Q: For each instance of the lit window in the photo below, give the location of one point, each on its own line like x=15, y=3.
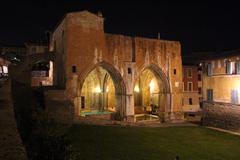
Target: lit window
x=5, y=69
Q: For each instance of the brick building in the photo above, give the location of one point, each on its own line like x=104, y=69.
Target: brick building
x=221, y=90
x=192, y=88
x=117, y=74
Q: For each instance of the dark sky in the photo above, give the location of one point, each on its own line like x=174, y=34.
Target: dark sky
x=198, y=26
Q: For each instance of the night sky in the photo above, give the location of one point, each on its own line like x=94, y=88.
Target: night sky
x=198, y=26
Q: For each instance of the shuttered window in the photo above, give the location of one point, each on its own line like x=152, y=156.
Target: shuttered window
x=209, y=95
x=230, y=67
x=234, y=96
x=238, y=67
x=209, y=69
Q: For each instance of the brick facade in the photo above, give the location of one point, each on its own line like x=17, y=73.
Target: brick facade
x=81, y=43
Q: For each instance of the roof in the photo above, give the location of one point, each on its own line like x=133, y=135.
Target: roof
x=76, y=12
x=40, y=43
x=198, y=57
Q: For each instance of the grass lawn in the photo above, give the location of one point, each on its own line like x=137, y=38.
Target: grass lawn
x=140, y=143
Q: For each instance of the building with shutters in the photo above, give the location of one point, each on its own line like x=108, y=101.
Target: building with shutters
x=221, y=90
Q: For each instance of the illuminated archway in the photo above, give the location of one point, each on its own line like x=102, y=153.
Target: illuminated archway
x=102, y=91
x=152, y=92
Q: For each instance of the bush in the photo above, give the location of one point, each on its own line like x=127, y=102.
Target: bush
x=43, y=137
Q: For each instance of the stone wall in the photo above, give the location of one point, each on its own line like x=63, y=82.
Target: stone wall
x=221, y=115
x=82, y=45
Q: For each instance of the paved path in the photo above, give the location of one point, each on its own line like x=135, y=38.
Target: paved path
x=96, y=121
x=11, y=147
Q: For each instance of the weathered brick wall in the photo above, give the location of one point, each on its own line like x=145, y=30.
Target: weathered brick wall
x=86, y=46
x=222, y=115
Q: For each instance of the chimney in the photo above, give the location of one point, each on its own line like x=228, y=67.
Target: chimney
x=99, y=14
x=159, y=35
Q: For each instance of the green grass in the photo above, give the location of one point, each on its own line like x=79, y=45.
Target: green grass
x=141, y=143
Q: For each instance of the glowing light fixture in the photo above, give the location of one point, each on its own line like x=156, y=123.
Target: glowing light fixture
x=107, y=89
x=98, y=89
x=136, y=88
x=151, y=85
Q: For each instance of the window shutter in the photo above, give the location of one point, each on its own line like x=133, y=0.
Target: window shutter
x=234, y=96
x=209, y=95
x=238, y=67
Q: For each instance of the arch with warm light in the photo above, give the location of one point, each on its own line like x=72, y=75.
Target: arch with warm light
x=102, y=89
x=152, y=90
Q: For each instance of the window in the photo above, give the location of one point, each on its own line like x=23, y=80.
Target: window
x=5, y=69
x=209, y=95
x=200, y=102
x=74, y=69
x=230, y=67
x=190, y=101
x=209, y=69
x=190, y=86
x=219, y=63
x=82, y=102
x=234, y=96
x=189, y=72
x=34, y=50
x=129, y=71
x=238, y=67
x=199, y=77
x=199, y=90
x=183, y=87
x=174, y=71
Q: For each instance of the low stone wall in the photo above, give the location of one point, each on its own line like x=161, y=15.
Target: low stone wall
x=11, y=145
x=221, y=115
